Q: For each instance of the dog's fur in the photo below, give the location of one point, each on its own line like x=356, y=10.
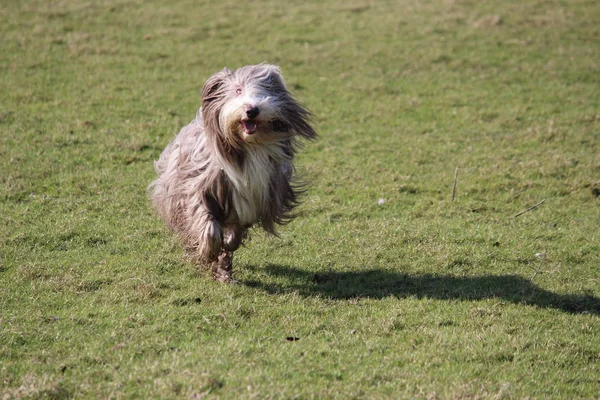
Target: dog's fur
x=232, y=167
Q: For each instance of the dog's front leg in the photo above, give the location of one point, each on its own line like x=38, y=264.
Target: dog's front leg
x=232, y=237
x=206, y=228
x=209, y=236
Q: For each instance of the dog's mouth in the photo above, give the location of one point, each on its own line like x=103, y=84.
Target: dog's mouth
x=250, y=126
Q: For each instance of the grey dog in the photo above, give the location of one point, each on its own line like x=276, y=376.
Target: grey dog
x=231, y=167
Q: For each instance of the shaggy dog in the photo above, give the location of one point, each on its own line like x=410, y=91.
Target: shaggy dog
x=231, y=167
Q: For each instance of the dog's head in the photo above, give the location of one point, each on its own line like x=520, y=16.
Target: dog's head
x=252, y=105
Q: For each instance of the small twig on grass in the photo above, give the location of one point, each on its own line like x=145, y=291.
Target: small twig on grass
x=519, y=192
x=454, y=186
x=530, y=208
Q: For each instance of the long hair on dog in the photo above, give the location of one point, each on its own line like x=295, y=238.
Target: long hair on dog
x=231, y=167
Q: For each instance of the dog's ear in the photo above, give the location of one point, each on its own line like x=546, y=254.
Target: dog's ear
x=213, y=93
x=274, y=69
x=215, y=86
x=275, y=76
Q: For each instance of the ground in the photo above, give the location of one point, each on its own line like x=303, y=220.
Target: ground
x=384, y=286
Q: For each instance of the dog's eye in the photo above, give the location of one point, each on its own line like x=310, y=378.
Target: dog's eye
x=238, y=91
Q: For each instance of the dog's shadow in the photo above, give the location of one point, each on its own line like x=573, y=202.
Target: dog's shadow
x=377, y=284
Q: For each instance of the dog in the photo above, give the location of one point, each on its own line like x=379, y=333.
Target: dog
x=232, y=167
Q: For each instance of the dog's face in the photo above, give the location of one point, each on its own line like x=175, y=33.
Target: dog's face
x=252, y=105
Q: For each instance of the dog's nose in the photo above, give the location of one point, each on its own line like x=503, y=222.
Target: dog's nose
x=252, y=111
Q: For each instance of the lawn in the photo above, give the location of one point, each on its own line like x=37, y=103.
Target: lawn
x=387, y=285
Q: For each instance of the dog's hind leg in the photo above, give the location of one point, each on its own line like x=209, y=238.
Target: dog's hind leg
x=222, y=267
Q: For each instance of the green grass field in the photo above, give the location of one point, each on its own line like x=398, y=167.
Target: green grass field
x=384, y=287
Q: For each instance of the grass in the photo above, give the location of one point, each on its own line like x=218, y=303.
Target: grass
x=383, y=287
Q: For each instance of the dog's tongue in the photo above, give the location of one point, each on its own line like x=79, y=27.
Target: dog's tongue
x=249, y=126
